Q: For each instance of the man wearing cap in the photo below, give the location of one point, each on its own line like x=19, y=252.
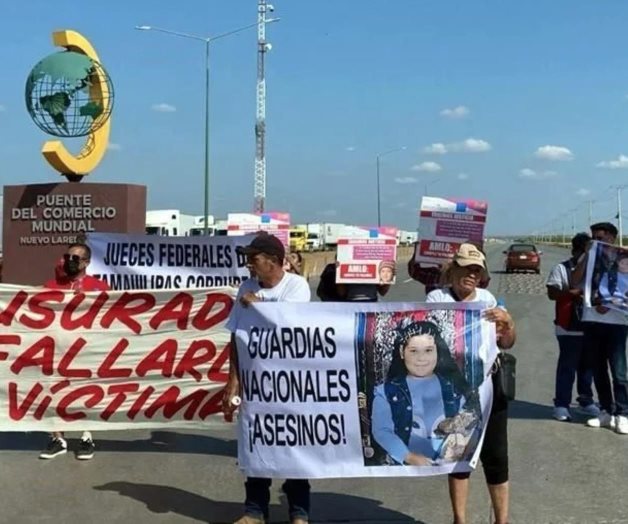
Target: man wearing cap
x=605, y=333
x=270, y=283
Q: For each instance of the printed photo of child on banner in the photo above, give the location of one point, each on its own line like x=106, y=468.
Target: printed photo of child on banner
x=419, y=376
x=607, y=277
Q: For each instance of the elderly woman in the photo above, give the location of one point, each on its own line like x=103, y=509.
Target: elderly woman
x=462, y=280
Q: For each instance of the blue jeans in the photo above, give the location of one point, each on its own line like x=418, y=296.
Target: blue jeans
x=572, y=365
x=258, y=497
x=605, y=345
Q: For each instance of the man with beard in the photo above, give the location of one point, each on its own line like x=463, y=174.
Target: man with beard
x=70, y=275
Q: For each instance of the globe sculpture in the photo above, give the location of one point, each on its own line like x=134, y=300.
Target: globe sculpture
x=69, y=95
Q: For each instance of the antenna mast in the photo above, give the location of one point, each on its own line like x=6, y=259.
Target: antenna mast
x=260, y=119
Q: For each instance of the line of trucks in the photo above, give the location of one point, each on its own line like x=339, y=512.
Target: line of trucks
x=303, y=237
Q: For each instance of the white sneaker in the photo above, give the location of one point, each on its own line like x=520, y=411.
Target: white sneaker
x=603, y=420
x=621, y=424
x=562, y=414
x=592, y=410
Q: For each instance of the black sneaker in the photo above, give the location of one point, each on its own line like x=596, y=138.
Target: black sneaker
x=86, y=449
x=55, y=447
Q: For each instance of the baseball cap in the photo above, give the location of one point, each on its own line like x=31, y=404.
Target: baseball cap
x=469, y=255
x=265, y=244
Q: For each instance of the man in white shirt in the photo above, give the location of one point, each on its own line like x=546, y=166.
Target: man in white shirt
x=268, y=283
x=605, y=346
x=569, y=332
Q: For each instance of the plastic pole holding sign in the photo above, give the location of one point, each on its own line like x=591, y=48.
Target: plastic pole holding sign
x=445, y=224
x=274, y=223
x=367, y=255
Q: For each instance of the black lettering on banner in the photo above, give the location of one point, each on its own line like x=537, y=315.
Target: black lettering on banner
x=296, y=385
x=129, y=254
x=295, y=343
x=281, y=429
x=205, y=256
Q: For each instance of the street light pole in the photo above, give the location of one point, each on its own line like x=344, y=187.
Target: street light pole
x=379, y=156
x=207, y=40
x=206, y=192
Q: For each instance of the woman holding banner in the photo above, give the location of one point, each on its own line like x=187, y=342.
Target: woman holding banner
x=462, y=280
x=422, y=395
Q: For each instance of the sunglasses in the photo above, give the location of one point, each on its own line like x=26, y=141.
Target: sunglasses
x=74, y=258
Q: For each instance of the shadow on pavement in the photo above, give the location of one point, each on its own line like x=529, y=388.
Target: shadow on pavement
x=528, y=410
x=159, y=441
x=326, y=507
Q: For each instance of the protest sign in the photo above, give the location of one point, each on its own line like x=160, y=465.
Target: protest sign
x=607, y=280
x=367, y=255
x=273, y=223
x=127, y=261
x=445, y=224
x=112, y=360
x=353, y=390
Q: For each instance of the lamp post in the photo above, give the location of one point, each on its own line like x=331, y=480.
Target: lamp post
x=379, y=156
x=207, y=40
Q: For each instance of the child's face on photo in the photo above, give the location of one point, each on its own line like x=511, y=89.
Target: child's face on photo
x=419, y=355
x=386, y=274
x=622, y=265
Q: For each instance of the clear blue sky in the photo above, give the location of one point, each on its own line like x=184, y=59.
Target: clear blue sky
x=348, y=79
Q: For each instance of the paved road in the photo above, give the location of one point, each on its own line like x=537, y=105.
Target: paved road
x=561, y=473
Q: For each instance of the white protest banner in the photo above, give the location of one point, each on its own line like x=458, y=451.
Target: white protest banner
x=273, y=223
x=128, y=261
x=606, y=280
x=445, y=224
x=367, y=255
x=112, y=360
x=354, y=390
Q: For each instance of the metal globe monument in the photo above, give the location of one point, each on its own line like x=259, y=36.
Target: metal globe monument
x=70, y=97
x=68, y=94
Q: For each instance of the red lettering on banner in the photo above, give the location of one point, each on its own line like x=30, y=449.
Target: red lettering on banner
x=203, y=320
x=191, y=360
x=31, y=357
x=105, y=370
x=35, y=304
x=44, y=404
x=5, y=340
x=68, y=358
x=6, y=317
x=161, y=358
x=215, y=373
x=17, y=410
x=171, y=404
x=212, y=406
x=86, y=320
x=94, y=395
x=138, y=405
x=123, y=311
x=120, y=391
x=177, y=308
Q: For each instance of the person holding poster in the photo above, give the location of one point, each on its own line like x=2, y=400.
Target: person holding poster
x=569, y=333
x=71, y=275
x=605, y=334
x=422, y=395
x=265, y=258
x=462, y=280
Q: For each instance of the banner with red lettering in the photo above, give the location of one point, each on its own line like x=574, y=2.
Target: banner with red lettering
x=112, y=360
